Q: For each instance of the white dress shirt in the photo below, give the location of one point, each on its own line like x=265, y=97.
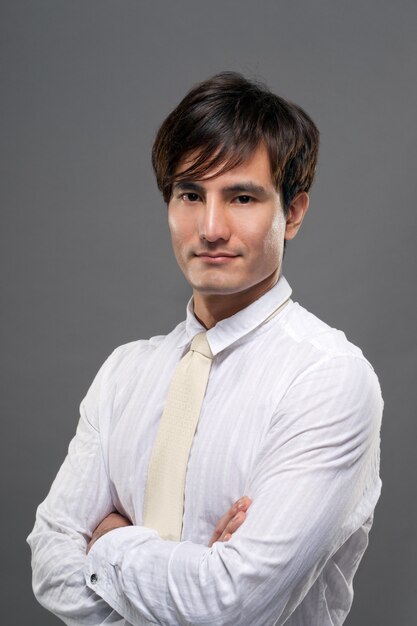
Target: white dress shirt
x=291, y=418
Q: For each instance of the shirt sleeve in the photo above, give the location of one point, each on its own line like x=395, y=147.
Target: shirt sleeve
x=315, y=482
x=78, y=500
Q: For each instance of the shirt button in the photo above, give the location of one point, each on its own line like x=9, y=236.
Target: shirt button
x=93, y=579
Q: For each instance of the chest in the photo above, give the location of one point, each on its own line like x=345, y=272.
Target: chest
x=235, y=415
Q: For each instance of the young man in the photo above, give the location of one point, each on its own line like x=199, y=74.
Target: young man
x=263, y=516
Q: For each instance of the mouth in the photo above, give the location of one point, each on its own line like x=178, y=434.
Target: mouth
x=216, y=257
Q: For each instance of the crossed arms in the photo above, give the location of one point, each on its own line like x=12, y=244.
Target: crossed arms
x=311, y=489
x=226, y=526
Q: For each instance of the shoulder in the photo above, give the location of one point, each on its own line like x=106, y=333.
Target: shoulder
x=308, y=331
x=135, y=354
x=323, y=363
x=128, y=359
x=124, y=366
x=329, y=370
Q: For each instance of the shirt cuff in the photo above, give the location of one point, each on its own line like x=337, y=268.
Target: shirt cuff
x=103, y=568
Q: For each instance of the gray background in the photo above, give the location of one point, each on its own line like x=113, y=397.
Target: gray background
x=85, y=255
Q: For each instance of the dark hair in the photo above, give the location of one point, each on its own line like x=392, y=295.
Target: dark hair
x=222, y=121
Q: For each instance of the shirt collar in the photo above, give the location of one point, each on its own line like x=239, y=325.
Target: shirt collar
x=233, y=328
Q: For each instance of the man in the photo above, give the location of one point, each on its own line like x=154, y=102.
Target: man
x=282, y=472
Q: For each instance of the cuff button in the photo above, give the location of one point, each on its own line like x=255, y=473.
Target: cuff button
x=93, y=579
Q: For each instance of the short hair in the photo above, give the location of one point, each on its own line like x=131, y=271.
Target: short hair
x=222, y=121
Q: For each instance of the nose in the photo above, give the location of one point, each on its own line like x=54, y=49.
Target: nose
x=215, y=223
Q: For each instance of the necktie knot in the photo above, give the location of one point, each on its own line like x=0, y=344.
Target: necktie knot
x=200, y=344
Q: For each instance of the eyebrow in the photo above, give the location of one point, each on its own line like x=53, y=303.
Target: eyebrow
x=240, y=188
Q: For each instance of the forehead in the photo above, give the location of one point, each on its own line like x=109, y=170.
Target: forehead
x=256, y=166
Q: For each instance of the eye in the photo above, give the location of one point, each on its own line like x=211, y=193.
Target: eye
x=190, y=196
x=244, y=199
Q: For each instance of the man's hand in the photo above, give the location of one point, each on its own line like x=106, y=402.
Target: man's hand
x=231, y=520
x=226, y=526
x=112, y=521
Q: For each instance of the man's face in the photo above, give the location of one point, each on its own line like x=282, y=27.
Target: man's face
x=228, y=231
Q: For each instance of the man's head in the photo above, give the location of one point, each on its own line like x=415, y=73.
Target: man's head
x=234, y=163
x=222, y=121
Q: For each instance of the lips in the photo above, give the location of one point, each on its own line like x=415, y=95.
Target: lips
x=219, y=258
x=217, y=255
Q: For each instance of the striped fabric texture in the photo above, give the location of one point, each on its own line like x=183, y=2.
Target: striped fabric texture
x=291, y=418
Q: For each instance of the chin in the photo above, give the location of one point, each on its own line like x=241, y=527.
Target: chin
x=215, y=289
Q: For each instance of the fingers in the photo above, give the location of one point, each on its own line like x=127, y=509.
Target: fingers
x=243, y=503
x=231, y=520
x=232, y=526
x=240, y=505
x=111, y=522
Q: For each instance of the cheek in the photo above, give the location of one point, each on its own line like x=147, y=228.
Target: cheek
x=272, y=237
x=182, y=237
x=172, y=222
x=178, y=227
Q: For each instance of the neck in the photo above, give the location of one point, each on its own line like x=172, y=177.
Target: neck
x=211, y=308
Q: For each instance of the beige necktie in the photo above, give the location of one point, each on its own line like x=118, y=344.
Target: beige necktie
x=164, y=494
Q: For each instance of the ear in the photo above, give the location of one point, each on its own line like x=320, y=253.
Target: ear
x=296, y=211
